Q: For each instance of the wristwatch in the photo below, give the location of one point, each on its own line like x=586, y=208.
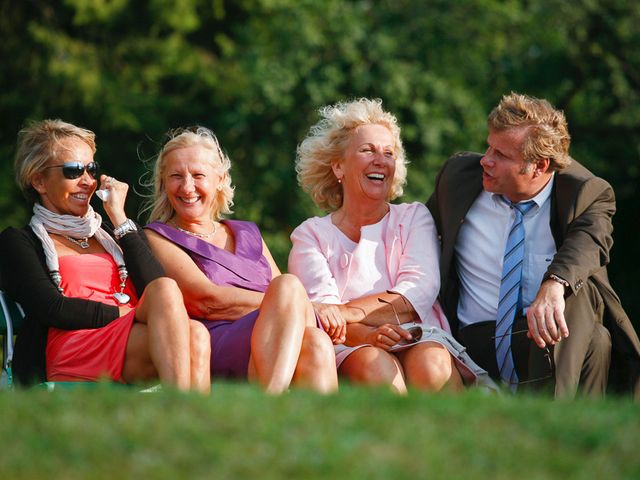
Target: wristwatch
x=125, y=227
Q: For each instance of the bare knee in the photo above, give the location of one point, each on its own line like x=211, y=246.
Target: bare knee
x=429, y=368
x=162, y=301
x=164, y=289
x=287, y=285
x=317, y=349
x=372, y=366
x=287, y=300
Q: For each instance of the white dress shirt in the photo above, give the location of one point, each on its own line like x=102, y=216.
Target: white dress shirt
x=480, y=253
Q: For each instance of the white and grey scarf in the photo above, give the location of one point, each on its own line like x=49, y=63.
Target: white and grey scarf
x=45, y=221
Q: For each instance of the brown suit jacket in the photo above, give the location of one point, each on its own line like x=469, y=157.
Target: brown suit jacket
x=581, y=211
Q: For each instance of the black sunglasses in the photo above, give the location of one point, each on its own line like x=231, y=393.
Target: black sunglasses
x=73, y=170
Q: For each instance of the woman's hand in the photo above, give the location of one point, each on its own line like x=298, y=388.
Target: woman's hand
x=332, y=321
x=387, y=336
x=117, y=194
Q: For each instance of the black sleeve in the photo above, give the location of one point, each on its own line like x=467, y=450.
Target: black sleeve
x=433, y=202
x=141, y=264
x=25, y=278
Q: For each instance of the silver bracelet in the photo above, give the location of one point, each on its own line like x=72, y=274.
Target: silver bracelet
x=125, y=227
x=556, y=278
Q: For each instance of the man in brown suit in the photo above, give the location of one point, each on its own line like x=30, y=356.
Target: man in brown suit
x=568, y=322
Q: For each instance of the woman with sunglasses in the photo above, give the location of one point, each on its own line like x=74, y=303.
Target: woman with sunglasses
x=262, y=324
x=96, y=306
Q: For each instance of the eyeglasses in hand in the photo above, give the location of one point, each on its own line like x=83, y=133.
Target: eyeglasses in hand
x=547, y=354
x=414, y=331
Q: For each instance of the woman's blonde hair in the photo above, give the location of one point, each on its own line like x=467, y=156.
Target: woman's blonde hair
x=160, y=206
x=38, y=143
x=327, y=141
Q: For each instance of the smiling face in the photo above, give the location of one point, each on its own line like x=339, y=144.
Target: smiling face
x=368, y=165
x=191, y=183
x=59, y=194
x=505, y=171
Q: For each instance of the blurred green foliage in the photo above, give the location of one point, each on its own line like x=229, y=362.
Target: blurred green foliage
x=256, y=72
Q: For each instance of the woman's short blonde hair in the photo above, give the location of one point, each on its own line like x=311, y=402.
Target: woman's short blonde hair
x=161, y=209
x=547, y=133
x=327, y=141
x=39, y=143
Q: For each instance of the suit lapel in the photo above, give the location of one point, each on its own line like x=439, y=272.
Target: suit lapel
x=563, y=196
x=467, y=187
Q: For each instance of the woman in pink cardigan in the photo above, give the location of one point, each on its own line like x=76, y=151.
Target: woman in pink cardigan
x=371, y=267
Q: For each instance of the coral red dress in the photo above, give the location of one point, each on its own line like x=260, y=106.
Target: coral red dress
x=90, y=354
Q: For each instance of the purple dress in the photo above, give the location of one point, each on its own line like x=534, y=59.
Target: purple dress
x=246, y=268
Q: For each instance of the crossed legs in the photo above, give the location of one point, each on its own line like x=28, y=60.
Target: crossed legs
x=286, y=345
x=164, y=343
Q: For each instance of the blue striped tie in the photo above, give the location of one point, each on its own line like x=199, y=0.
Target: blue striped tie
x=510, y=299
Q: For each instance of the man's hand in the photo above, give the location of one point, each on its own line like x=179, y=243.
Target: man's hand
x=545, y=315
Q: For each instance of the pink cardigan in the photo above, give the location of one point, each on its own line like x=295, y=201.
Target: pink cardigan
x=400, y=253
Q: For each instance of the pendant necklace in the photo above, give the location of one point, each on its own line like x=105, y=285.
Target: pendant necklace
x=81, y=242
x=121, y=297
x=204, y=236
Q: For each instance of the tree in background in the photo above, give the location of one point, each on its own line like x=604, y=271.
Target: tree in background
x=256, y=71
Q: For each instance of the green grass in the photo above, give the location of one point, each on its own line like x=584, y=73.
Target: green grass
x=239, y=432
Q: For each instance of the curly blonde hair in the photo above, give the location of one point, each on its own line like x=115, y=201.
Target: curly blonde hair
x=327, y=141
x=547, y=133
x=38, y=143
x=161, y=209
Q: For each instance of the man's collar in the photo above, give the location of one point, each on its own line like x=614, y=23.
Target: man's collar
x=542, y=196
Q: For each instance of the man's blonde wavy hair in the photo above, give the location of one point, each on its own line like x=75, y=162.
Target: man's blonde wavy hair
x=547, y=132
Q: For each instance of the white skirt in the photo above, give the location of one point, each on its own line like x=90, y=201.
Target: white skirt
x=470, y=371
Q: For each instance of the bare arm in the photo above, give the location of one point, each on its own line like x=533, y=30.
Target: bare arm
x=275, y=271
x=202, y=298
x=385, y=336
x=370, y=311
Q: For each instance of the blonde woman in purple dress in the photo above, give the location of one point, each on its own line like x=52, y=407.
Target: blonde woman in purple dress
x=261, y=322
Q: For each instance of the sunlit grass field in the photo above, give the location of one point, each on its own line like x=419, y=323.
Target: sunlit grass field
x=239, y=432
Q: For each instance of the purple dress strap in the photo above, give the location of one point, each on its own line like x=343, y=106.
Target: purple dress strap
x=245, y=268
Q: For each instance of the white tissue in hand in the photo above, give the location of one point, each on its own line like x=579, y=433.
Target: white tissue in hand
x=103, y=195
